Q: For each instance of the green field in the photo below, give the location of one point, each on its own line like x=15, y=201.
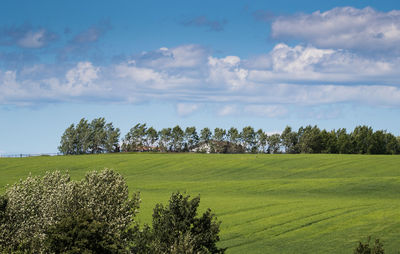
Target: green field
x=267, y=203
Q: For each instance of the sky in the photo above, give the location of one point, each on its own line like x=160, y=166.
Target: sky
x=267, y=64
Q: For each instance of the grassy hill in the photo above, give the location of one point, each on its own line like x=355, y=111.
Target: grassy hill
x=267, y=203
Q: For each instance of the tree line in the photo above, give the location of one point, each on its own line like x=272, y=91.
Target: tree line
x=100, y=137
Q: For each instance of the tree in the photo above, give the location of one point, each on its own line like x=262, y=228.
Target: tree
x=392, y=144
x=83, y=137
x=290, y=140
x=99, y=135
x=274, y=143
x=205, y=135
x=176, y=227
x=310, y=140
x=191, y=138
x=151, y=138
x=80, y=233
x=95, y=137
x=68, y=141
x=248, y=138
x=111, y=144
x=165, y=139
x=233, y=135
x=344, y=144
x=366, y=248
x=219, y=140
x=177, y=135
x=135, y=138
x=38, y=203
x=378, y=143
x=361, y=137
x=261, y=140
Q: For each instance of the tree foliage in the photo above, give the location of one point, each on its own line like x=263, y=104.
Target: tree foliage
x=39, y=203
x=177, y=229
x=99, y=136
x=367, y=248
x=94, y=137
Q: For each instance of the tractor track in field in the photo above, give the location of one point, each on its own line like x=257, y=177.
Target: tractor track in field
x=317, y=221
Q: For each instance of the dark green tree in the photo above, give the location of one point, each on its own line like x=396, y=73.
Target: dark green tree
x=83, y=137
x=233, y=136
x=177, y=136
x=151, y=138
x=135, y=139
x=344, y=144
x=68, y=141
x=274, y=143
x=191, y=138
x=261, y=141
x=367, y=248
x=165, y=139
x=219, y=143
x=176, y=226
x=248, y=138
x=205, y=135
x=81, y=233
x=290, y=140
x=361, y=137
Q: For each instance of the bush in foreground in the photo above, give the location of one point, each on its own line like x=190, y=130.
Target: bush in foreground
x=177, y=229
x=53, y=214
x=39, y=203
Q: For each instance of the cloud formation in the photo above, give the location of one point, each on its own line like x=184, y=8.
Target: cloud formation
x=85, y=40
x=189, y=76
x=26, y=36
x=343, y=28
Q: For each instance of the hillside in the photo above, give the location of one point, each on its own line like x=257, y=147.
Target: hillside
x=267, y=203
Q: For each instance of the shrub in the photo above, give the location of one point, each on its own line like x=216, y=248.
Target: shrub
x=177, y=229
x=366, y=248
x=38, y=203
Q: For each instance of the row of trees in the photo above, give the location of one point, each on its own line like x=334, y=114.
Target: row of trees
x=309, y=139
x=53, y=214
x=99, y=136
x=94, y=137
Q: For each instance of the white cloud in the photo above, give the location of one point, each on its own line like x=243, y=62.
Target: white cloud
x=343, y=27
x=286, y=76
x=185, y=109
x=33, y=39
x=266, y=110
x=228, y=110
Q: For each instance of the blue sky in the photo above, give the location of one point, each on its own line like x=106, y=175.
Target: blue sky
x=203, y=63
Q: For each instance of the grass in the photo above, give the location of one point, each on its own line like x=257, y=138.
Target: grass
x=267, y=203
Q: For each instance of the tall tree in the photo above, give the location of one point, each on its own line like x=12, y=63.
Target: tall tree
x=99, y=135
x=205, y=135
x=111, y=144
x=361, y=137
x=219, y=138
x=177, y=135
x=83, y=136
x=248, y=138
x=165, y=139
x=233, y=135
x=135, y=138
x=261, y=140
x=68, y=141
x=151, y=138
x=274, y=143
x=344, y=143
x=290, y=140
x=191, y=138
